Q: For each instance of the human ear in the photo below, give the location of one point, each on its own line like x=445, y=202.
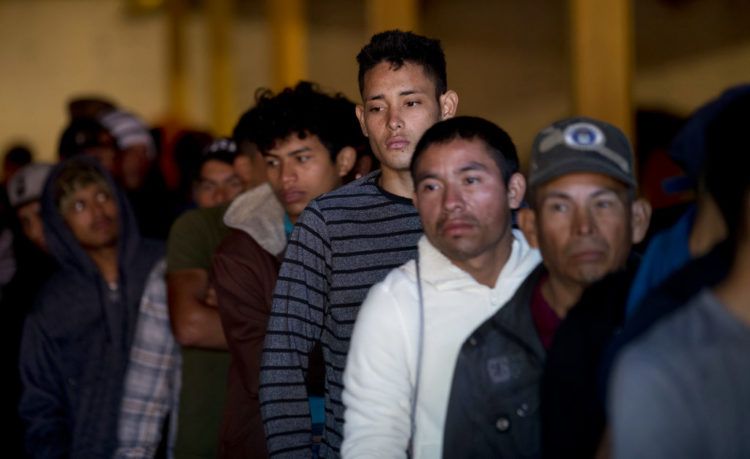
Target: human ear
x=448, y=104
x=359, y=110
x=640, y=216
x=527, y=222
x=515, y=190
x=345, y=159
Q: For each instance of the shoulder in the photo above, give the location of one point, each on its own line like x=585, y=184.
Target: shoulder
x=241, y=246
x=676, y=343
x=396, y=292
x=361, y=194
x=686, y=328
x=193, y=238
x=193, y=219
x=65, y=299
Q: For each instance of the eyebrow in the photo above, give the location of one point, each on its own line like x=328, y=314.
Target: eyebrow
x=407, y=92
x=595, y=194
x=298, y=151
x=291, y=153
x=470, y=166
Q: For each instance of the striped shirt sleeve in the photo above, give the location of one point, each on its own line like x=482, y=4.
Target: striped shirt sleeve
x=297, y=317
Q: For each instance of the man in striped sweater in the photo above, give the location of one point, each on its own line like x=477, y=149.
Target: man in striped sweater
x=349, y=239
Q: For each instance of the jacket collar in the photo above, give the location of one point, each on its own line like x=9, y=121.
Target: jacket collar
x=437, y=270
x=259, y=214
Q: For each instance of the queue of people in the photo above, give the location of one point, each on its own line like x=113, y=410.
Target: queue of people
x=377, y=279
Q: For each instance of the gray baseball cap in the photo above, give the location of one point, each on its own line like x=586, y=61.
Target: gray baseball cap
x=581, y=144
x=27, y=184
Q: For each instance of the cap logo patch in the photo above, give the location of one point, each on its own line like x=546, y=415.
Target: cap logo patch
x=583, y=136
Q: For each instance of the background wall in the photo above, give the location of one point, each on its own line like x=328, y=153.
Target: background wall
x=508, y=60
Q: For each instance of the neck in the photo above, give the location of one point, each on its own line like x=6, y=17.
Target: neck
x=734, y=290
x=397, y=182
x=561, y=296
x=708, y=227
x=106, y=260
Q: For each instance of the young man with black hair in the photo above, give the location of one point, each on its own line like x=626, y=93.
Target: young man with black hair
x=411, y=326
x=309, y=140
x=77, y=339
x=349, y=239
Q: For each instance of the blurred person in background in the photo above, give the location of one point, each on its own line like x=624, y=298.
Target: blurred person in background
x=34, y=267
x=136, y=169
x=77, y=338
x=682, y=388
x=193, y=310
x=217, y=181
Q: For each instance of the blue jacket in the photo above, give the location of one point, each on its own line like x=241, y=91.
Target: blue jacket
x=76, y=340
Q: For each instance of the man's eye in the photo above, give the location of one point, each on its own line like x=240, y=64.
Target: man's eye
x=429, y=186
x=471, y=180
x=272, y=162
x=374, y=109
x=207, y=186
x=102, y=197
x=234, y=182
x=78, y=206
x=412, y=103
x=604, y=204
x=303, y=158
x=558, y=207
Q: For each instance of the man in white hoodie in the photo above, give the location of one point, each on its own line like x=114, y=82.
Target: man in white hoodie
x=411, y=326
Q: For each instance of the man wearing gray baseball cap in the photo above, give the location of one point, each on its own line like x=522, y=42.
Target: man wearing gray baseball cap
x=510, y=382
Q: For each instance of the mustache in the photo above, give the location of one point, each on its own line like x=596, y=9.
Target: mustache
x=451, y=219
x=587, y=244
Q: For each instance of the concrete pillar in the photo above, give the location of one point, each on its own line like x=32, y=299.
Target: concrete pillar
x=288, y=25
x=391, y=14
x=220, y=65
x=602, y=58
x=177, y=81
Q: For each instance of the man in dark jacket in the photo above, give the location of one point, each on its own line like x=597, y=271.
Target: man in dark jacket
x=310, y=141
x=584, y=218
x=77, y=338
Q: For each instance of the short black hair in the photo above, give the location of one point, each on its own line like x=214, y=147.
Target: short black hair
x=727, y=164
x=397, y=47
x=499, y=144
x=81, y=134
x=19, y=155
x=306, y=110
x=246, y=129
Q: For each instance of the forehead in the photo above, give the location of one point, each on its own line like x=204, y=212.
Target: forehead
x=90, y=188
x=294, y=143
x=584, y=183
x=216, y=167
x=385, y=77
x=454, y=156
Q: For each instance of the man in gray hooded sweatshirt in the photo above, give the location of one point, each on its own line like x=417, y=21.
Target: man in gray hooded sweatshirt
x=76, y=340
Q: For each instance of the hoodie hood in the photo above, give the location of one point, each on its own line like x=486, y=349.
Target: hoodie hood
x=259, y=214
x=61, y=242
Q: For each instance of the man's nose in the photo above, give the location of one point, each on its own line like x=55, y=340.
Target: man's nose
x=394, y=119
x=452, y=197
x=584, y=221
